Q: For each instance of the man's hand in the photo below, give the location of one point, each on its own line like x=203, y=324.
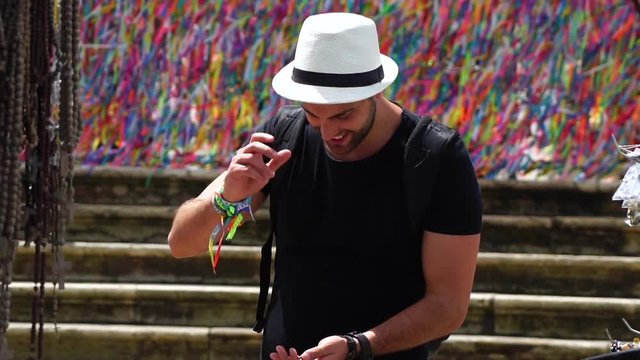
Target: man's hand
x=247, y=172
x=329, y=348
x=281, y=354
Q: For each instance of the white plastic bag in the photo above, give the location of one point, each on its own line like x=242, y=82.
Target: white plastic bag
x=629, y=189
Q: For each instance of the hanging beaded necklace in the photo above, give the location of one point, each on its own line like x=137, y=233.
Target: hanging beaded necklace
x=40, y=118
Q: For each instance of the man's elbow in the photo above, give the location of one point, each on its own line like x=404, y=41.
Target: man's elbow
x=174, y=246
x=458, y=314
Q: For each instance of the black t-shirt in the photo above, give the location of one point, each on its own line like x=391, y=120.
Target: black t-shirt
x=346, y=259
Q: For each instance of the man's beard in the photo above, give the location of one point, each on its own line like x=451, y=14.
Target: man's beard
x=356, y=136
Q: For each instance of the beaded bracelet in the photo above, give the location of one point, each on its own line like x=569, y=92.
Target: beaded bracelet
x=231, y=217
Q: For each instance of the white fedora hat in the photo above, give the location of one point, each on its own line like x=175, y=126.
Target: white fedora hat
x=337, y=61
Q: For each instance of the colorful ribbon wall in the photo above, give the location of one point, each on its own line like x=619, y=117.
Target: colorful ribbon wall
x=538, y=88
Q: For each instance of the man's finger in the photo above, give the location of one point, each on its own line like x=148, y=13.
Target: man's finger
x=256, y=147
x=251, y=172
x=293, y=354
x=256, y=163
x=262, y=137
x=282, y=352
x=283, y=156
x=313, y=353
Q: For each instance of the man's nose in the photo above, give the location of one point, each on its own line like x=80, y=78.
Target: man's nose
x=328, y=129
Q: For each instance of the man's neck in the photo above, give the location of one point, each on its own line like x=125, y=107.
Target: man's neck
x=387, y=120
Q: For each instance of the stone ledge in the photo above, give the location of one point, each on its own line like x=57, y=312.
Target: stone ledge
x=460, y=347
x=579, y=235
x=140, y=173
x=207, y=175
x=595, y=235
x=144, y=224
x=546, y=274
x=144, y=304
x=589, y=186
x=172, y=187
x=582, y=275
x=123, y=211
x=209, y=305
x=148, y=263
x=567, y=317
x=134, y=342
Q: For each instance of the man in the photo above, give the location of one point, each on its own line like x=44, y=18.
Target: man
x=353, y=280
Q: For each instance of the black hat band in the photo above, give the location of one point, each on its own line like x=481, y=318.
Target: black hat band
x=338, y=80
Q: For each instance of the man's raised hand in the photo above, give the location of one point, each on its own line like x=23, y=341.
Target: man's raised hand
x=248, y=173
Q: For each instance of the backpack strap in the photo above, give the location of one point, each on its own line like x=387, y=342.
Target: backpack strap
x=288, y=126
x=265, y=278
x=422, y=155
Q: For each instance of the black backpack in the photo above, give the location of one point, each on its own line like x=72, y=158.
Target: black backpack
x=422, y=155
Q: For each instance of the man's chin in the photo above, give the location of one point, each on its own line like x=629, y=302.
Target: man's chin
x=337, y=152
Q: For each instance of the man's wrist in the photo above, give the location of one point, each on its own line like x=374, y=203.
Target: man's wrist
x=228, y=208
x=352, y=352
x=363, y=346
x=229, y=197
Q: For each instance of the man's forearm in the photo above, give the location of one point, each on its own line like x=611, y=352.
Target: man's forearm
x=194, y=222
x=428, y=319
x=192, y=227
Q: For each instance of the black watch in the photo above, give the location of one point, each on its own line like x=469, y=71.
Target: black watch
x=352, y=347
x=365, y=346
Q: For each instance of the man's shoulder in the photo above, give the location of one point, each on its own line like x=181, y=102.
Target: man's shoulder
x=425, y=126
x=286, y=125
x=288, y=118
x=428, y=137
x=282, y=120
x=440, y=129
x=290, y=111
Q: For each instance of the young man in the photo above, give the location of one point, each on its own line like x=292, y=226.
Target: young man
x=354, y=279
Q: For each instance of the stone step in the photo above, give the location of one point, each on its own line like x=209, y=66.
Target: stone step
x=580, y=235
x=144, y=224
x=551, y=274
x=546, y=274
x=566, y=317
x=553, y=197
x=214, y=305
x=126, y=185
x=148, y=263
x=146, y=304
x=462, y=347
x=134, y=342
x=138, y=186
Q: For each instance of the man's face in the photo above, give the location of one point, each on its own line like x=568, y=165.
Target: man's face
x=343, y=126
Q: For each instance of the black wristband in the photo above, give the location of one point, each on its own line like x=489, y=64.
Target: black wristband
x=351, y=345
x=365, y=346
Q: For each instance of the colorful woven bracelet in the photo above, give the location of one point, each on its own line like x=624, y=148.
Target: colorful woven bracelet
x=227, y=208
x=231, y=217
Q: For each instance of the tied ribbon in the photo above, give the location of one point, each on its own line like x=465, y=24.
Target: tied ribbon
x=231, y=217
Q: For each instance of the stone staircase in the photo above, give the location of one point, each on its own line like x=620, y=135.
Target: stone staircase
x=557, y=266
